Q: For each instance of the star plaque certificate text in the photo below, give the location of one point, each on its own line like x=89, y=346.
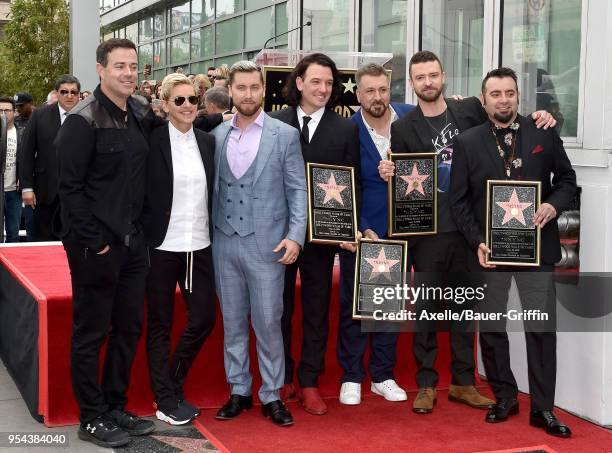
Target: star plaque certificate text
x=332, y=213
x=413, y=194
x=380, y=268
x=511, y=235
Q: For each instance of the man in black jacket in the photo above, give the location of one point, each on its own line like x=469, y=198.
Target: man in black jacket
x=102, y=160
x=38, y=171
x=326, y=138
x=440, y=259
x=509, y=146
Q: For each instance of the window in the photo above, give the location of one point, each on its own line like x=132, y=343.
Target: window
x=227, y=7
x=202, y=43
x=453, y=30
x=384, y=29
x=202, y=11
x=145, y=31
x=259, y=27
x=281, y=21
x=179, y=46
x=159, y=53
x=541, y=42
x=254, y=4
x=159, y=25
x=228, y=60
x=145, y=55
x=330, y=24
x=131, y=32
x=229, y=35
x=179, y=18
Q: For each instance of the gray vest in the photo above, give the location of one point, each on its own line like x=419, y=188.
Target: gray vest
x=235, y=200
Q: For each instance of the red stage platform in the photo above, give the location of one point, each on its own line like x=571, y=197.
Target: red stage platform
x=35, y=329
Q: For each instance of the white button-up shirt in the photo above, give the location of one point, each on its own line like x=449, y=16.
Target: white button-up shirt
x=188, y=226
x=382, y=143
x=315, y=119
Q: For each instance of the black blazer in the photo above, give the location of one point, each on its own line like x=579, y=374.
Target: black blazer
x=476, y=159
x=160, y=180
x=335, y=142
x=38, y=164
x=408, y=133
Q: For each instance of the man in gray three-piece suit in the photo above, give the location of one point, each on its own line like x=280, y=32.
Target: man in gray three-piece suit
x=259, y=218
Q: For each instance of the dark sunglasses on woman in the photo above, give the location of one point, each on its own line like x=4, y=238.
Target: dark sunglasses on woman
x=180, y=100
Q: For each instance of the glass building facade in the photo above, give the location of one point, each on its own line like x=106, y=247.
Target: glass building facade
x=541, y=40
x=197, y=34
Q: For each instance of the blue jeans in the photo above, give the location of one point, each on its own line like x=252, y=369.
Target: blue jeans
x=12, y=215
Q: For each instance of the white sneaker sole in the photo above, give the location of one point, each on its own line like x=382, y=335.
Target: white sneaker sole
x=392, y=399
x=350, y=401
x=164, y=418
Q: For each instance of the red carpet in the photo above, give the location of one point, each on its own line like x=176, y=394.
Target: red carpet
x=43, y=271
x=380, y=426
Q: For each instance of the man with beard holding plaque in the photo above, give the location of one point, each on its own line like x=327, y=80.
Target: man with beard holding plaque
x=311, y=90
x=439, y=260
x=509, y=146
x=374, y=119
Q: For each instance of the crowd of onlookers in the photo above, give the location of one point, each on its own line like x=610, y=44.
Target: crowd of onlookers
x=24, y=144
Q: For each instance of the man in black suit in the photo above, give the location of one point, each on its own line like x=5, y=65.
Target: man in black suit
x=38, y=169
x=509, y=146
x=439, y=260
x=311, y=90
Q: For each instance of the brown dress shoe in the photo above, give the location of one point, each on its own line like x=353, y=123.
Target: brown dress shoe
x=312, y=401
x=288, y=393
x=468, y=394
x=424, y=401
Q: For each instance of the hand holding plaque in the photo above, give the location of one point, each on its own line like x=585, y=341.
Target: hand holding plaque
x=413, y=194
x=511, y=234
x=332, y=215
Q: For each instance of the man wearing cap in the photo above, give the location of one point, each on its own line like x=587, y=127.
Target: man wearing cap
x=24, y=104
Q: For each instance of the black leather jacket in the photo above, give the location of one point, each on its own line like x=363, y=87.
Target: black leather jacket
x=100, y=200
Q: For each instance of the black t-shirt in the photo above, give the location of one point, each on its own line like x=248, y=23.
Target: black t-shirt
x=441, y=132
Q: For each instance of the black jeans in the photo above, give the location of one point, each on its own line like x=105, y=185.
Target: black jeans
x=108, y=302
x=168, y=370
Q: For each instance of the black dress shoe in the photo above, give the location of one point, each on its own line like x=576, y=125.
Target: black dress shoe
x=503, y=408
x=548, y=421
x=235, y=404
x=278, y=412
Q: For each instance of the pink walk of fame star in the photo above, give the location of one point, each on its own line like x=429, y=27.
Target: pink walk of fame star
x=415, y=181
x=381, y=265
x=332, y=190
x=513, y=208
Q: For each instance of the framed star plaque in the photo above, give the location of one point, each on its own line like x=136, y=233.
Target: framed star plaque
x=413, y=194
x=380, y=270
x=332, y=213
x=510, y=233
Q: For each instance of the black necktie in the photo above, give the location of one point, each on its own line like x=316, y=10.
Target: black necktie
x=305, y=132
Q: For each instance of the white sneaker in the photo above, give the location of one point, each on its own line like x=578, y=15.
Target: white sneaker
x=350, y=393
x=389, y=390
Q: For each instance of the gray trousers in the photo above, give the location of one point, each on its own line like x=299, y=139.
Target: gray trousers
x=248, y=285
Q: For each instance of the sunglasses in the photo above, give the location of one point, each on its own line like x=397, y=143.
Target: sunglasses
x=180, y=100
x=68, y=92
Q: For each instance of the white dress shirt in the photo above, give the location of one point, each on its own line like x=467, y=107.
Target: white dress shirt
x=315, y=119
x=63, y=114
x=382, y=143
x=188, y=226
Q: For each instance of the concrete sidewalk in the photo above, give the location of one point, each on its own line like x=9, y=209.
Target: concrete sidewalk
x=15, y=418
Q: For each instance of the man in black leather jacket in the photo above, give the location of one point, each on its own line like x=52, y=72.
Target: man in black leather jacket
x=102, y=150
